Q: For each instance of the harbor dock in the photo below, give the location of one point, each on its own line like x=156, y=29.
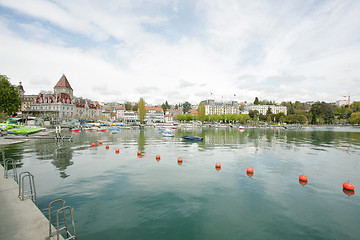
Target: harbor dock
x=19, y=219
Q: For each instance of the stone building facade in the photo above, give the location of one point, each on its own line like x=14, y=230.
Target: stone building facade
x=219, y=108
x=63, y=105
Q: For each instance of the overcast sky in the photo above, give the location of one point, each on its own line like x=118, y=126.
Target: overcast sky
x=185, y=50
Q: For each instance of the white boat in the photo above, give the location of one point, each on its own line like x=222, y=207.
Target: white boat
x=168, y=134
x=241, y=128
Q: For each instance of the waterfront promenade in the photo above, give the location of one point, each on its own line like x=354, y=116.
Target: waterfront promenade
x=19, y=219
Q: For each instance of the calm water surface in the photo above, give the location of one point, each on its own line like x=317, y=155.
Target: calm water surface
x=121, y=196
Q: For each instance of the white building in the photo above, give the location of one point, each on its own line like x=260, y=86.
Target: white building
x=168, y=118
x=131, y=116
x=212, y=107
x=342, y=103
x=262, y=109
x=154, y=114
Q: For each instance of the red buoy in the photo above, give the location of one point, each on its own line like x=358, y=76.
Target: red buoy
x=117, y=150
x=218, y=166
x=349, y=186
x=139, y=152
x=93, y=144
x=250, y=170
x=303, y=178
x=100, y=142
x=158, y=157
x=107, y=147
x=180, y=159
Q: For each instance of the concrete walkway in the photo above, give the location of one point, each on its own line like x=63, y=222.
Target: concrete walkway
x=19, y=219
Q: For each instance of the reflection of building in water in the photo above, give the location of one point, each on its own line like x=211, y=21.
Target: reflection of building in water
x=59, y=153
x=62, y=104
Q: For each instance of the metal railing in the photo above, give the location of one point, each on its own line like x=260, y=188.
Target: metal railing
x=31, y=193
x=6, y=168
x=65, y=228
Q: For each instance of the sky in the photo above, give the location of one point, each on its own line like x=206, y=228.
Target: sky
x=184, y=50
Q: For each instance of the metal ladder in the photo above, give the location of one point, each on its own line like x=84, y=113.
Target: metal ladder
x=65, y=227
x=31, y=193
x=6, y=168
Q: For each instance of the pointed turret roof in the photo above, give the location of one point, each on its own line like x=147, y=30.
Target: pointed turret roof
x=63, y=82
x=20, y=87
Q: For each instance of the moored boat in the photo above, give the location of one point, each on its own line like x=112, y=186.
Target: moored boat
x=241, y=128
x=168, y=134
x=75, y=130
x=192, y=138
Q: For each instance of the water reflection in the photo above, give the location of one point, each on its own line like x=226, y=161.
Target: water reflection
x=14, y=151
x=348, y=192
x=141, y=140
x=128, y=194
x=58, y=152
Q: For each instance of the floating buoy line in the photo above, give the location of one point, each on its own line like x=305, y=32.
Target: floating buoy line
x=348, y=188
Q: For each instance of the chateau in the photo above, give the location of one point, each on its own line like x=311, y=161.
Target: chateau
x=212, y=107
x=62, y=104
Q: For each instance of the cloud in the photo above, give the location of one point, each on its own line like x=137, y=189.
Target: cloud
x=287, y=79
x=147, y=89
x=185, y=84
x=130, y=49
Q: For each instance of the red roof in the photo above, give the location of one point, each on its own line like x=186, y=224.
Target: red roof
x=157, y=109
x=63, y=82
x=193, y=111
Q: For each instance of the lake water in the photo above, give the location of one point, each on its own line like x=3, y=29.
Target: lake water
x=122, y=196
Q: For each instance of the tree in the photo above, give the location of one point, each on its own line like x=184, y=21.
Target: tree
x=201, y=112
x=135, y=107
x=268, y=112
x=254, y=114
x=189, y=117
x=181, y=117
x=256, y=102
x=355, y=118
x=268, y=119
x=291, y=110
x=127, y=106
x=186, y=107
x=322, y=112
x=355, y=106
x=243, y=117
x=141, y=110
x=165, y=106
x=242, y=106
x=10, y=99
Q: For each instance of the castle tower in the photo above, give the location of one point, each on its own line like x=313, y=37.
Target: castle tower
x=63, y=86
x=21, y=89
